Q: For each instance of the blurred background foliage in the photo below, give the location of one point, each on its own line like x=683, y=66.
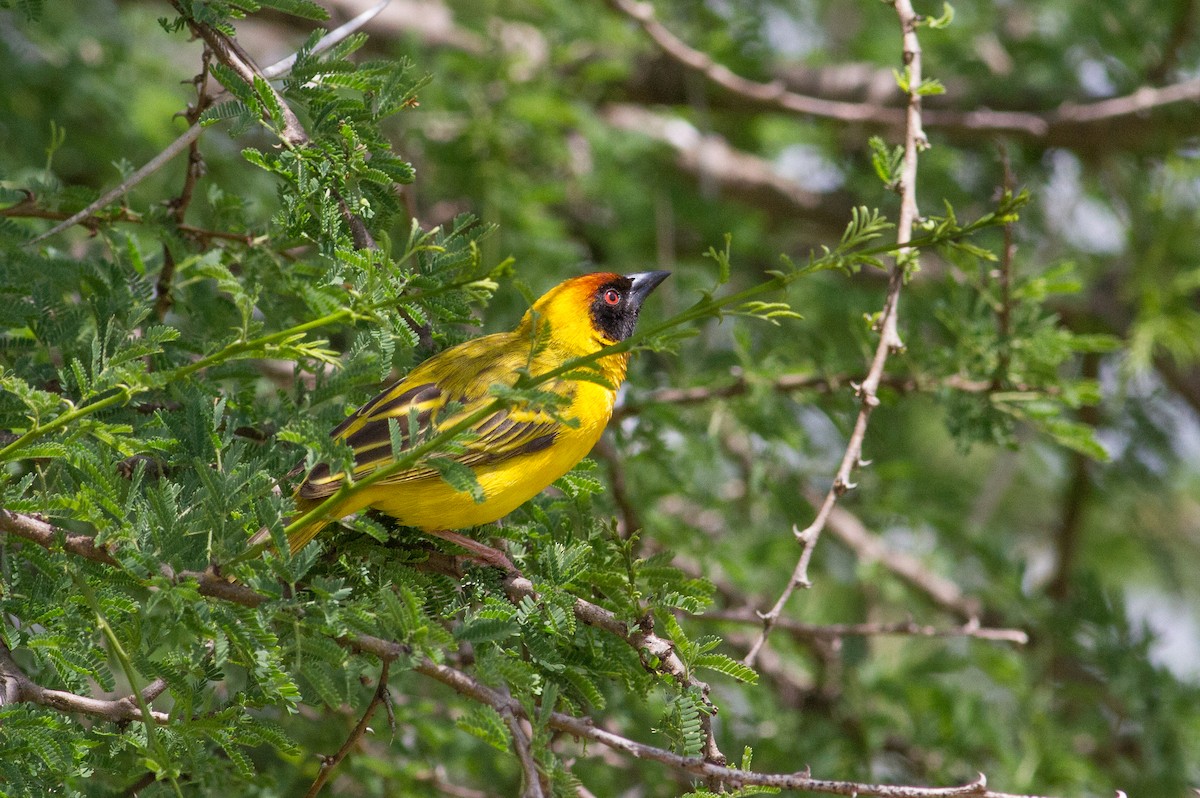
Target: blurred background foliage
x=1046, y=465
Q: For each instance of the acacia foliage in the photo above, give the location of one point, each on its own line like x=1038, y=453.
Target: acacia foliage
x=153, y=428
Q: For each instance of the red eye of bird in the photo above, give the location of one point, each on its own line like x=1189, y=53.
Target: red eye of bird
x=612, y=297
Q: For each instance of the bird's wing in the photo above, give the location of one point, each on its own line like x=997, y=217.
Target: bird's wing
x=503, y=434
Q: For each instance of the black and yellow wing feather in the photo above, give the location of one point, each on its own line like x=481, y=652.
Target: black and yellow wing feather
x=434, y=401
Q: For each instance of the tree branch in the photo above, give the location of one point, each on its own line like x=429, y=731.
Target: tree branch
x=17, y=688
x=656, y=653
x=711, y=159
x=1075, y=125
x=523, y=747
x=889, y=336
x=231, y=54
x=581, y=728
x=329, y=763
x=786, y=383
x=584, y=729
x=810, y=631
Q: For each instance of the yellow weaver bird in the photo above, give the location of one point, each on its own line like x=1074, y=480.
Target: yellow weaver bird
x=516, y=451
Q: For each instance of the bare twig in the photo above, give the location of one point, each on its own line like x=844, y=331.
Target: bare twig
x=909, y=628
x=125, y=186
x=29, y=209
x=329, y=763
x=334, y=36
x=889, y=336
x=523, y=747
x=786, y=383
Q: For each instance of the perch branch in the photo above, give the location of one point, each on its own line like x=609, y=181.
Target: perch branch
x=808, y=631
x=579, y=727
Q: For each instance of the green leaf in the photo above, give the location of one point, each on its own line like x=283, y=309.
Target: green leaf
x=722, y=259
x=297, y=8
x=944, y=21
x=728, y=666
x=486, y=724
x=458, y=476
x=485, y=629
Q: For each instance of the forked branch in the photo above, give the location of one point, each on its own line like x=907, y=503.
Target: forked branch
x=886, y=325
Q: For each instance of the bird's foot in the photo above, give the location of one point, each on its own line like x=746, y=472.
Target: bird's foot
x=479, y=551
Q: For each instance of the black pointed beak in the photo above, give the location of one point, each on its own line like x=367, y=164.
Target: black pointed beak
x=643, y=284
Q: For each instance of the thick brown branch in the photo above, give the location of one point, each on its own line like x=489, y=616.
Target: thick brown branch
x=36, y=531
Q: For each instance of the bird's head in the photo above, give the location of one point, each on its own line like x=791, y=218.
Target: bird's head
x=594, y=310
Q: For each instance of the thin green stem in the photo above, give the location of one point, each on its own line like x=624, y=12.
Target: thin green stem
x=124, y=394
x=126, y=662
